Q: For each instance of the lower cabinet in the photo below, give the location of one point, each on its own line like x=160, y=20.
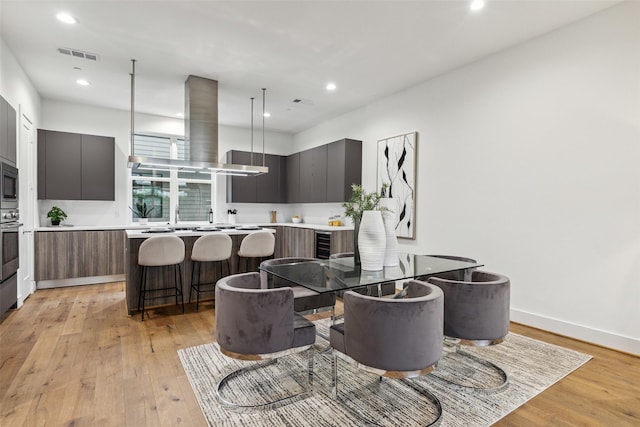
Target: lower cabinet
x=63, y=255
x=298, y=242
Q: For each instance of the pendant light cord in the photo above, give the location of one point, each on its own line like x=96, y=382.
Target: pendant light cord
x=133, y=97
x=252, y=98
x=263, y=111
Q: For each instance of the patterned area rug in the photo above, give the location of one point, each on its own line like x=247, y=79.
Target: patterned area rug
x=532, y=367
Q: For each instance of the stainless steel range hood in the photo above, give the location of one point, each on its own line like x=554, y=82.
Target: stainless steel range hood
x=201, y=133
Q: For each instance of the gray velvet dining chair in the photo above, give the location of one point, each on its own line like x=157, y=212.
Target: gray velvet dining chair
x=453, y=275
x=304, y=299
x=476, y=313
x=252, y=323
x=398, y=338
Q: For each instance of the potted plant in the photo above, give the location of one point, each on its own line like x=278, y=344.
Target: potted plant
x=142, y=211
x=56, y=215
x=360, y=202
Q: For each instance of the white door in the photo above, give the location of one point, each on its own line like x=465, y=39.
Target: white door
x=26, y=162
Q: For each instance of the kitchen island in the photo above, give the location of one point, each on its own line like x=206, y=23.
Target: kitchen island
x=162, y=277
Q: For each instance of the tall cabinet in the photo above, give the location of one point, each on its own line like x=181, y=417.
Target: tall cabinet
x=8, y=132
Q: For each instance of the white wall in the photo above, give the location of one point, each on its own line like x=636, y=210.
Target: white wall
x=79, y=118
x=528, y=161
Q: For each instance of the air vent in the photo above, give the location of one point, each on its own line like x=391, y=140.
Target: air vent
x=78, y=53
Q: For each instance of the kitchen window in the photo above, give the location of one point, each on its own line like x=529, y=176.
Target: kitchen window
x=164, y=190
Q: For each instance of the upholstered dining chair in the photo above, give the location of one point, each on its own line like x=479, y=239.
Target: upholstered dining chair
x=210, y=248
x=380, y=335
x=260, y=245
x=476, y=313
x=304, y=299
x=252, y=323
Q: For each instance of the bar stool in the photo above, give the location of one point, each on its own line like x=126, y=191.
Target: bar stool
x=160, y=251
x=260, y=244
x=208, y=248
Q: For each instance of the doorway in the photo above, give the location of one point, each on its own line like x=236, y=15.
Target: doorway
x=26, y=156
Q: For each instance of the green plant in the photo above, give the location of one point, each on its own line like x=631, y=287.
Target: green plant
x=362, y=201
x=141, y=210
x=56, y=214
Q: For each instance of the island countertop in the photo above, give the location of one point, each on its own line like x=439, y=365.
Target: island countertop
x=138, y=227
x=144, y=233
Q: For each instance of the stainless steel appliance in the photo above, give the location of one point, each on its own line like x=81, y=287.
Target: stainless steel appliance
x=9, y=248
x=9, y=237
x=9, y=187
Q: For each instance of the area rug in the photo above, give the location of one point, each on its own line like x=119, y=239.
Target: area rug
x=532, y=367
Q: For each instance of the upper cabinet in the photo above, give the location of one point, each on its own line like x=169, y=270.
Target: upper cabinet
x=320, y=174
x=344, y=168
x=267, y=188
x=73, y=166
x=325, y=173
x=313, y=175
x=8, y=132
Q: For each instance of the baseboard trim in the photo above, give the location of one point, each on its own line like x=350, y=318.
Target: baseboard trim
x=79, y=281
x=580, y=332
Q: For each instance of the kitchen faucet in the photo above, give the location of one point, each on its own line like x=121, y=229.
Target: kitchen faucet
x=177, y=214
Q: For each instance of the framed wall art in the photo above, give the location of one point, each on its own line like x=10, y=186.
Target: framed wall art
x=397, y=168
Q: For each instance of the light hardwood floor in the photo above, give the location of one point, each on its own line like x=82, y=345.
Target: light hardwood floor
x=72, y=357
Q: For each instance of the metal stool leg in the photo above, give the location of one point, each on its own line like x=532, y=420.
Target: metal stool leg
x=179, y=270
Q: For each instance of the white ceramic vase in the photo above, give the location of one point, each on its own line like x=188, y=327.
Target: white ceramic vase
x=371, y=241
x=143, y=221
x=389, y=219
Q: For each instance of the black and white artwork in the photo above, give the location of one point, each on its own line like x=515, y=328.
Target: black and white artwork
x=397, y=167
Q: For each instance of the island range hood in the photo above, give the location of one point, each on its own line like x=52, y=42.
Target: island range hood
x=201, y=133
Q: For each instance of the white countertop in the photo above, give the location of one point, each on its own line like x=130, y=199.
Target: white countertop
x=318, y=227
x=143, y=233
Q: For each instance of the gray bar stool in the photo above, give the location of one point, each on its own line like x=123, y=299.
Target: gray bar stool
x=214, y=248
x=260, y=244
x=160, y=251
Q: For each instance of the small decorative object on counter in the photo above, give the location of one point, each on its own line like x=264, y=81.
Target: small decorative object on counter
x=142, y=211
x=231, y=215
x=296, y=219
x=210, y=216
x=56, y=215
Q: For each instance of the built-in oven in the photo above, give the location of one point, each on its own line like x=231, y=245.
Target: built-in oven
x=9, y=248
x=8, y=187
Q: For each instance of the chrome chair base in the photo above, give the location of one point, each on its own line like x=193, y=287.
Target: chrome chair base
x=454, y=345
x=403, y=376
x=271, y=404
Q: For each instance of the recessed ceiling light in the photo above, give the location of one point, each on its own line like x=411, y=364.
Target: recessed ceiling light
x=179, y=115
x=83, y=82
x=476, y=5
x=267, y=114
x=331, y=86
x=66, y=18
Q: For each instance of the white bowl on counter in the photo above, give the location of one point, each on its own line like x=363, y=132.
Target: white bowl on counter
x=296, y=220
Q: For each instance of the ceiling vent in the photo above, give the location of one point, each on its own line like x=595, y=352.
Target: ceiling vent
x=78, y=53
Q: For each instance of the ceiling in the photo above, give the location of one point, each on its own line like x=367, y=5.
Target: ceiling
x=370, y=49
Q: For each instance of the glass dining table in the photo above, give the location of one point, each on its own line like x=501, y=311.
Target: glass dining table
x=340, y=274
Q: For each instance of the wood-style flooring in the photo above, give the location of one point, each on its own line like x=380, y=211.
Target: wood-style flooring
x=72, y=357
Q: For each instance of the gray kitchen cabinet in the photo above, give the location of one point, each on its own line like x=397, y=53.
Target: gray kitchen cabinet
x=240, y=189
x=59, y=165
x=266, y=188
x=73, y=166
x=313, y=175
x=8, y=132
x=344, y=168
x=293, y=178
x=298, y=242
x=61, y=255
x=271, y=187
x=98, y=160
